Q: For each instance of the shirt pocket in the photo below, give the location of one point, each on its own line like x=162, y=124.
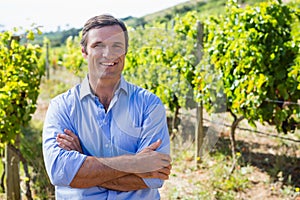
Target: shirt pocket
x=125, y=139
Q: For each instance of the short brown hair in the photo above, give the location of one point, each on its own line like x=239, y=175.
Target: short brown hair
x=99, y=22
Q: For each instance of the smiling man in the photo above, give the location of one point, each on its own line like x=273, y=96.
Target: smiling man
x=106, y=138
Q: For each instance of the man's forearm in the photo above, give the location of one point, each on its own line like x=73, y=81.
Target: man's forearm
x=146, y=164
x=94, y=172
x=125, y=183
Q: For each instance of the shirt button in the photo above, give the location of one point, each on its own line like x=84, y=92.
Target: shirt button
x=106, y=145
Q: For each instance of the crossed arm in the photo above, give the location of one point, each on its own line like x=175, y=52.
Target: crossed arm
x=122, y=173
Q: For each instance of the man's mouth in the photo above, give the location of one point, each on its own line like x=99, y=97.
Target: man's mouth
x=108, y=64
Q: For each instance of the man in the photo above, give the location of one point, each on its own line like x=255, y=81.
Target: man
x=106, y=138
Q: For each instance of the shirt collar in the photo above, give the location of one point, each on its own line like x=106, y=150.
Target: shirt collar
x=122, y=86
x=86, y=88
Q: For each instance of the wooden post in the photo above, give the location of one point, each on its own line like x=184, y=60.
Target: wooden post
x=199, y=134
x=47, y=61
x=13, y=191
x=199, y=131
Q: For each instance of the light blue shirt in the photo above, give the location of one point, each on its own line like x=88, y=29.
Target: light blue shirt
x=135, y=119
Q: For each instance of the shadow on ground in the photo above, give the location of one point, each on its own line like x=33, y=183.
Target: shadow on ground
x=267, y=162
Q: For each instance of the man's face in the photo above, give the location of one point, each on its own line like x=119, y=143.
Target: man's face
x=105, y=52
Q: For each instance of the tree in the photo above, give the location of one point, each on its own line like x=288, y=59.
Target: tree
x=72, y=58
x=20, y=76
x=255, y=52
x=159, y=59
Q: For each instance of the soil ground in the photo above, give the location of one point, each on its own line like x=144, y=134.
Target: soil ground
x=274, y=160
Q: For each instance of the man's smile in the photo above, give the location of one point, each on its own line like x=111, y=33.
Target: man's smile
x=108, y=64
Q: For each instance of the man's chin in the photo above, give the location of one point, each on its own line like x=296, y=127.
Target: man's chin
x=108, y=75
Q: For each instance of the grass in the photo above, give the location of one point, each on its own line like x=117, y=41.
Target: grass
x=267, y=168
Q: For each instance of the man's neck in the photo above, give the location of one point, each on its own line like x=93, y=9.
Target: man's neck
x=104, y=89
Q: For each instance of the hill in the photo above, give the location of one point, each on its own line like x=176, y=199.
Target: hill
x=204, y=7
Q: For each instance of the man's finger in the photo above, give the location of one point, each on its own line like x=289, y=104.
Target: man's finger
x=74, y=139
x=165, y=170
x=154, y=145
x=65, y=137
x=70, y=133
x=72, y=136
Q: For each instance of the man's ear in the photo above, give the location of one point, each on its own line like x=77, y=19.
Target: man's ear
x=84, y=54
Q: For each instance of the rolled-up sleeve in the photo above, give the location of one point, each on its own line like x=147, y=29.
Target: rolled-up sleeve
x=61, y=165
x=154, y=128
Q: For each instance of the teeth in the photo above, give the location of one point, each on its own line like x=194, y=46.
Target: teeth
x=109, y=64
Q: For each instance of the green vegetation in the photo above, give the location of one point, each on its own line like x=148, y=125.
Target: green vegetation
x=20, y=75
x=258, y=174
x=32, y=152
x=254, y=50
x=57, y=38
x=251, y=54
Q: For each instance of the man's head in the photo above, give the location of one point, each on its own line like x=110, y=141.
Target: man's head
x=99, y=22
x=104, y=46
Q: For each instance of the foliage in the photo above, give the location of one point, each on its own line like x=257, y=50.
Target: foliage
x=57, y=38
x=295, y=69
x=211, y=181
x=251, y=54
x=73, y=59
x=40, y=185
x=203, y=8
x=161, y=57
x=255, y=51
x=54, y=88
x=20, y=75
x=259, y=155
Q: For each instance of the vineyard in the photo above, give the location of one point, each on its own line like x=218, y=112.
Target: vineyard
x=230, y=83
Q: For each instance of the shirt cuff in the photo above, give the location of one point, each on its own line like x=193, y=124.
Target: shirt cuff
x=153, y=183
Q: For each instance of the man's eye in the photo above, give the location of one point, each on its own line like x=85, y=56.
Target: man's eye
x=100, y=45
x=118, y=47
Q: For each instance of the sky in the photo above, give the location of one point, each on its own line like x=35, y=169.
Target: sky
x=72, y=13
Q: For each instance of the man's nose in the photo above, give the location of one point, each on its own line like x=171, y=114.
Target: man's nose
x=108, y=52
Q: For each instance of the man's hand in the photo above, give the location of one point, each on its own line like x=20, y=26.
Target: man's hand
x=68, y=141
x=161, y=173
x=148, y=160
x=146, y=164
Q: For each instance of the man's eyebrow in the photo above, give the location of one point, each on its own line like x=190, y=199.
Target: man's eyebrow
x=119, y=43
x=96, y=43
x=102, y=42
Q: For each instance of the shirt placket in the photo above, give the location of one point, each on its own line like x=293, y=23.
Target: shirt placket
x=103, y=121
